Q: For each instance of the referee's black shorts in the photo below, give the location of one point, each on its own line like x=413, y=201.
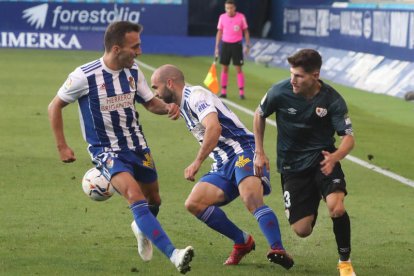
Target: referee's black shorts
x=231, y=51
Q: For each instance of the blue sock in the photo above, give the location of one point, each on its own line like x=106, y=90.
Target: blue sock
x=150, y=226
x=270, y=226
x=217, y=220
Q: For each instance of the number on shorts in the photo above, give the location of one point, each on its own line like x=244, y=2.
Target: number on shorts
x=286, y=196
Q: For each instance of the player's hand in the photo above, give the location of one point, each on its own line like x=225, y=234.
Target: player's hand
x=173, y=111
x=246, y=50
x=328, y=163
x=66, y=154
x=261, y=162
x=216, y=53
x=191, y=171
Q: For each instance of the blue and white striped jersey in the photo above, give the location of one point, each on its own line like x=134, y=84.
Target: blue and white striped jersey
x=106, y=98
x=196, y=103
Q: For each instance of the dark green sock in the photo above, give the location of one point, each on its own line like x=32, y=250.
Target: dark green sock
x=154, y=209
x=342, y=231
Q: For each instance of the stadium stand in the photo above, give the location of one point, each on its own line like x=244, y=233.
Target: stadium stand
x=177, y=2
x=376, y=40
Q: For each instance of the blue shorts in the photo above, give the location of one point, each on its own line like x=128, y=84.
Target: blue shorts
x=139, y=164
x=229, y=176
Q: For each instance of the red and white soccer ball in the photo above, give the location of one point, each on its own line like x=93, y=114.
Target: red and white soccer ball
x=96, y=186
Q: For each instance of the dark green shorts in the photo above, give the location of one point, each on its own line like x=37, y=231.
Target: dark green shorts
x=302, y=191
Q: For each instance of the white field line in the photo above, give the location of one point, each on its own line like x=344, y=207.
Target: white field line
x=351, y=158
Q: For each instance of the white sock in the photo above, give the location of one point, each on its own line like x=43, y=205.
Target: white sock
x=172, y=258
x=349, y=260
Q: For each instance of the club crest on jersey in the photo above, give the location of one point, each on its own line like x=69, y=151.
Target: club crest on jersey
x=131, y=82
x=241, y=162
x=321, y=112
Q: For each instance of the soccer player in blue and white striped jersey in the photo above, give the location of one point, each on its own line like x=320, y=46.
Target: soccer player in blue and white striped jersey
x=107, y=90
x=224, y=138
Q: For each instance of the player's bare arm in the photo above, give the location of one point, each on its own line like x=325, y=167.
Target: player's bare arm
x=330, y=159
x=158, y=106
x=56, y=121
x=247, y=40
x=210, y=140
x=261, y=161
x=219, y=35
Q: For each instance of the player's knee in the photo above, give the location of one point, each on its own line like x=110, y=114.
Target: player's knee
x=251, y=201
x=303, y=232
x=303, y=227
x=192, y=206
x=251, y=193
x=133, y=195
x=335, y=204
x=337, y=211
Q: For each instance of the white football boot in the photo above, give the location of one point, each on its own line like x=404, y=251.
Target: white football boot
x=181, y=258
x=144, y=244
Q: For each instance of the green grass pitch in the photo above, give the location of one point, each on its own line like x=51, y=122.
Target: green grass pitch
x=49, y=227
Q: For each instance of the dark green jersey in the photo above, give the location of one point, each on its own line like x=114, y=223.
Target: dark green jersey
x=305, y=127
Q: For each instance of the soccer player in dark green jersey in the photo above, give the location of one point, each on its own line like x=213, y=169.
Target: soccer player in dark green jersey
x=308, y=113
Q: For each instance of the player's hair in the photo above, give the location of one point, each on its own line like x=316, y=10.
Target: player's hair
x=310, y=60
x=231, y=2
x=115, y=33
